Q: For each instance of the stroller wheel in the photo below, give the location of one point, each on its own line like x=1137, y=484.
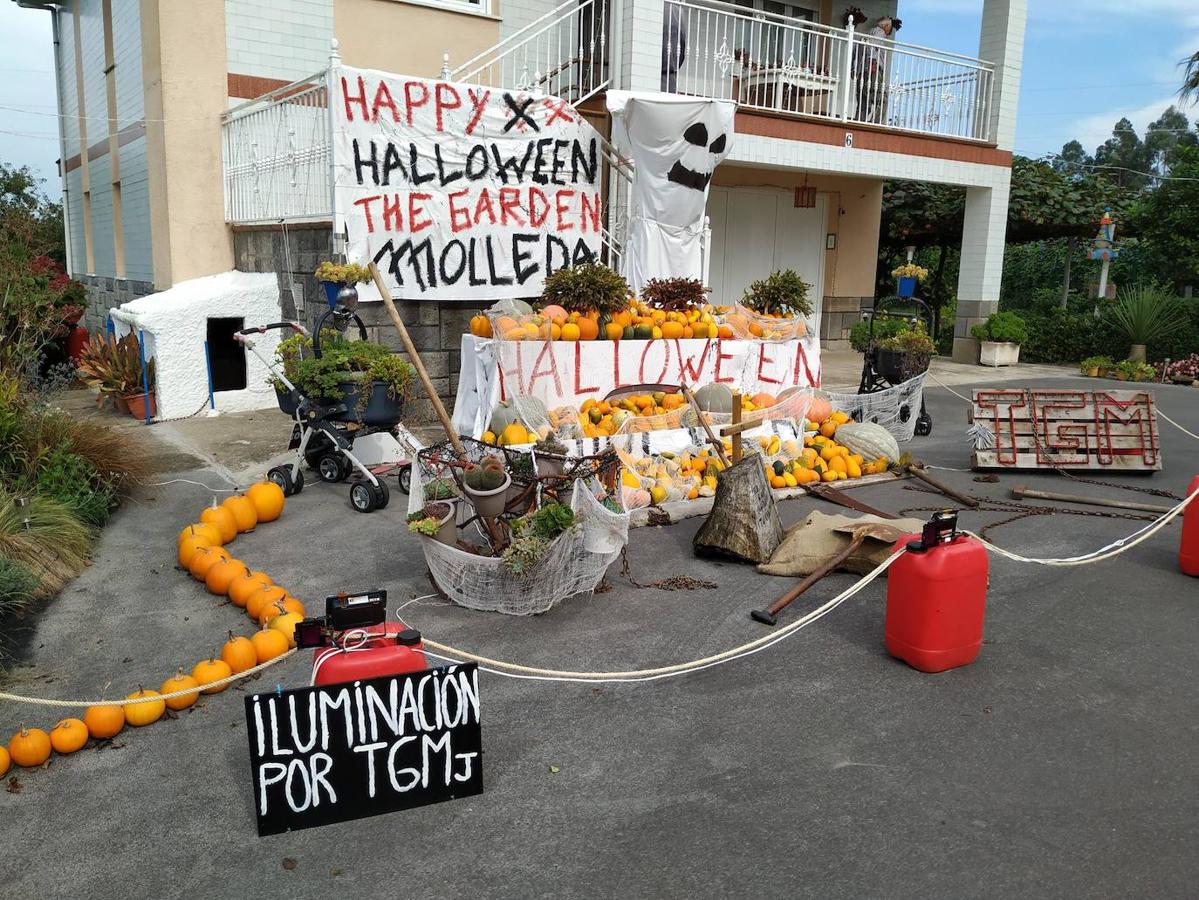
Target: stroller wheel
x=332, y=467
x=281, y=475
x=365, y=497
x=406, y=479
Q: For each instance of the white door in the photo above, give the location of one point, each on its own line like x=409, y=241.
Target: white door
x=756, y=231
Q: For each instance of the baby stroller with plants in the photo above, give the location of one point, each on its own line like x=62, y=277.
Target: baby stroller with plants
x=348, y=406
x=898, y=349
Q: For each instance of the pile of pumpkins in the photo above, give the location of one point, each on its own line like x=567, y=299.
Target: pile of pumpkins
x=639, y=322
x=834, y=448
x=201, y=552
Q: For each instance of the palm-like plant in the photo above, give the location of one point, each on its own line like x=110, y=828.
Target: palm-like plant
x=1190, y=77
x=1145, y=314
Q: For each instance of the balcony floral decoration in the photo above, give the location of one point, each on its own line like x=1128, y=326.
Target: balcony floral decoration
x=910, y=270
x=853, y=14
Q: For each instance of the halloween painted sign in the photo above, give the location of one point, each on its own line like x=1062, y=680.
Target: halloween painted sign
x=675, y=143
x=461, y=192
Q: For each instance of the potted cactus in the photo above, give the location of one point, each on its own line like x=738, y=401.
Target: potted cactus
x=550, y=454
x=485, y=485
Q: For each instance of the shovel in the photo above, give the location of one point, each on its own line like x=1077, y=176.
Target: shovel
x=888, y=534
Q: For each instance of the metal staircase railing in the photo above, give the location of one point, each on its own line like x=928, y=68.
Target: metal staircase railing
x=563, y=53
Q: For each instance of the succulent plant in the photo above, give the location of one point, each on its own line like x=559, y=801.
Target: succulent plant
x=486, y=476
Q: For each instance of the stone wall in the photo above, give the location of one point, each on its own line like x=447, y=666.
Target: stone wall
x=837, y=317
x=436, y=328
x=103, y=293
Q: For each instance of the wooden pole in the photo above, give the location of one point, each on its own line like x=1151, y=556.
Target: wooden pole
x=769, y=615
x=414, y=357
x=736, y=421
x=1021, y=493
x=952, y=494
x=712, y=438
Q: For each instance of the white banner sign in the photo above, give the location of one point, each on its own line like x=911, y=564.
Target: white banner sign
x=565, y=373
x=461, y=192
x=675, y=143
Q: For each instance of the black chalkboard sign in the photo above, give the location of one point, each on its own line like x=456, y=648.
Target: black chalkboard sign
x=344, y=751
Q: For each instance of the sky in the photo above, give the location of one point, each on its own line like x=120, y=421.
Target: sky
x=1086, y=64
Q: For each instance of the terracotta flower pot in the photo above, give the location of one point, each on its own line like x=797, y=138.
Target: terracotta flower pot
x=137, y=405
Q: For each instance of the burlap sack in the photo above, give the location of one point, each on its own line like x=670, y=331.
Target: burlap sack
x=807, y=545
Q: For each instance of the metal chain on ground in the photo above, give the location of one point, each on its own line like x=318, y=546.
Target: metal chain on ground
x=220, y=682
x=674, y=583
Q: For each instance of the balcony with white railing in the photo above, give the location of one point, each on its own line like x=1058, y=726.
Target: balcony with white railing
x=786, y=65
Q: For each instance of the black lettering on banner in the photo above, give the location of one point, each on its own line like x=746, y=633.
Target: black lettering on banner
x=587, y=164
x=360, y=163
x=444, y=177
x=451, y=277
x=583, y=253
x=559, y=162
x=392, y=162
x=496, y=279
x=337, y=752
x=519, y=256
x=539, y=176
x=520, y=113
x=472, y=278
x=552, y=241
x=477, y=162
x=415, y=176
x=503, y=165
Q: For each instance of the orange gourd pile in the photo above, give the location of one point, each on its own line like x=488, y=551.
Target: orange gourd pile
x=200, y=552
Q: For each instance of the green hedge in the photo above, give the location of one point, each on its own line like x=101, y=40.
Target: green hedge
x=1067, y=336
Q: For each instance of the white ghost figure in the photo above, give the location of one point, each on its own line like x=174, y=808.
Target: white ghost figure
x=675, y=144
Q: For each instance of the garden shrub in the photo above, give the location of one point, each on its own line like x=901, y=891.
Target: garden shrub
x=17, y=586
x=70, y=479
x=884, y=327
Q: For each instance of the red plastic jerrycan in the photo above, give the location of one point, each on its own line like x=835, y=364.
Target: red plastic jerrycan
x=1188, y=551
x=937, y=597
x=390, y=649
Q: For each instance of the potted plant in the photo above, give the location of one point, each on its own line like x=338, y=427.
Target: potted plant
x=550, y=456
x=486, y=484
x=533, y=534
x=288, y=353
x=368, y=378
x=782, y=294
x=114, y=368
x=1090, y=366
x=1000, y=338
x=339, y=281
x=906, y=278
x=905, y=354
x=1183, y=371
x=1105, y=366
x=674, y=294
x=587, y=288
x=435, y=520
x=1126, y=370
x=1144, y=314
x=1144, y=372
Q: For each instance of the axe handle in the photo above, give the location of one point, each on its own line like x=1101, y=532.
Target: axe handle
x=784, y=601
x=1020, y=492
x=951, y=493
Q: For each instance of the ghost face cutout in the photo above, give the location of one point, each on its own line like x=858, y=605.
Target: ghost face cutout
x=694, y=169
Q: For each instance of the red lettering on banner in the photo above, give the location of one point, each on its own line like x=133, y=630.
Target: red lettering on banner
x=484, y=206
x=393, y=219
x=579, y=389
x=547, y=349
x=801, y=364
x=459, y=217
x=536, y=194
x=499, y=370
x=365, y=203
x=383, y=98
x=590, y=212
x=441, y=102
x=415, y=209
x=762, y=360
x=561, y=209
x=360, y=99
x=478, y=104
x=689, y=370
x=721, y=356
x=559, y=109
x=410, y=101
x=665, y=362
x=616, y=382
x=510, y=204
x=519, y=372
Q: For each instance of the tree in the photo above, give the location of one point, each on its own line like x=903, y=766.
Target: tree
x=1164, y=136
x=1190, y=78
x=1167, y=219
x=1073, y=161
x=1124, y=155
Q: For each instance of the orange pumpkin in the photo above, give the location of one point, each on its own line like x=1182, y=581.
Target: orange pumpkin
x=554, y=312
x=480, y=326
x=268, y=643
x=286, y=624
x=146, y=713
x=820, y=408
x=264, y=598
x=29, y=747
x=673, y=330
x=588, y=328
x=243, y=512
x=222, y=520
x=210, y=670
x=68, y=736
x=270, y=610
x=268, y=500
x=763, y=400
x=201, y=529
x=262, y=576
x=244, y=587
x=204, y=559
x=104, y=722
x=180, y=681
x=188, y=547
x=222, y=574
x=238, y=653
x=5, y=760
